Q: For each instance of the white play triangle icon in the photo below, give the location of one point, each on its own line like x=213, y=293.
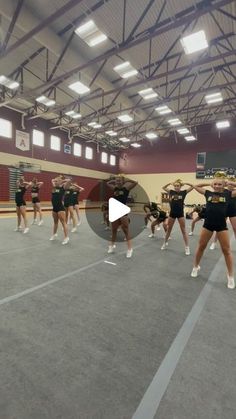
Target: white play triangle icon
x=117, y=210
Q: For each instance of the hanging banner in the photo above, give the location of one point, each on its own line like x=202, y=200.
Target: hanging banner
x=22, y=140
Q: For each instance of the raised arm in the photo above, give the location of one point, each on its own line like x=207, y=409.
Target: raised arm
x=190, y=187
x=39, y=184
x=165, y=188
x=130, y=184
x=79, y=188
x=199, y=189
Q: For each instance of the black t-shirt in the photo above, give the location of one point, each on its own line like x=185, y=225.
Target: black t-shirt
x=57, y=195
x=217, y=205
x=20, y=191
x=68, y=195
x=153, y=206
x=232, y=205
x=121, y=194
x=177, y=201
x=34, y=189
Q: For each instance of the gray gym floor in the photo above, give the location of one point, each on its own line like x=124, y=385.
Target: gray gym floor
x=139, y=338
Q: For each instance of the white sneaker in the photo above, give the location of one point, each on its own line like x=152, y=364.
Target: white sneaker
x=187, y=250
x=151, y=235
x=111, y=249
x=129, y=253
x=34, y=221
x=54, y=236
x=74, y=229
x=164, y=246
x=158, y=228
x=40, y=223
x=212, y=246
x=195, y=271
x=231, y=283
x=66, y=240
x=190, y=233
x=79, y=222
x=18, y=229
x=26, y=230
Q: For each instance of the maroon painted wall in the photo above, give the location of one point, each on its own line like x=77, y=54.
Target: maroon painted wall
x=169, y=156
x=45, y=153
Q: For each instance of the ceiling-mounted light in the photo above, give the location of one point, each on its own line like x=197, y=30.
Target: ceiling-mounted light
x=148, y=93
x=194, y=42
x=135, y=145
x=97, y=126
x=183, y=131
x=124, y=140
x=45, y=101
x=125, y=118
x=91, y=124
x=174, y=122
x=111, y=133
x=190, y=138
x=79, y=88
x=125, y=70
x=214, y=98
x=151, y=135
x=10, y=84
x=73, y=114
x=223, y=124
x=163, y=110
x=90, y=33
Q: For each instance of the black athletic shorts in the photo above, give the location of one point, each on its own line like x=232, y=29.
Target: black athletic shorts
x=35, y=200
x=58, y=208
x=176, y=214
x=21, y=204
x=215, y=227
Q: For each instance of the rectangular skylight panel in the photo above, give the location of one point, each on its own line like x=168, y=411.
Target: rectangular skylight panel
x=195, y=42
x=79, y=88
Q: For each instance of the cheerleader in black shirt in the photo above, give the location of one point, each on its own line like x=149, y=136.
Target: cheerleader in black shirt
x=21, y=187
x=215, y=220
x=35, y=186
x=58, y=210
x=121, y=188
x=177, y=197
x=200, y=210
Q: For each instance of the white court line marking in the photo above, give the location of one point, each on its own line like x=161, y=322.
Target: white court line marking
x=111, y=263
x=55, y=280
x=151, y=400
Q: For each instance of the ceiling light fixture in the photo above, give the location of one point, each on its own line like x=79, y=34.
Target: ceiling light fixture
x=90, y=33
x=183, y=131
x=151, y=135
x=195, y=42
x=148, y=93
x=124, y=140
x=190, y=138
x=125, y=70
x=79, y=88
x=174, y=122
x=214, y=98
x=125, y=118
x=73, y=114
x=223, y=124
x=111, y=133
x=45, y=101
x=135, y=145
x=163, y=110
x=10, y=84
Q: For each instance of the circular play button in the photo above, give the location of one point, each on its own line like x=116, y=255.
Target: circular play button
x=102, y=209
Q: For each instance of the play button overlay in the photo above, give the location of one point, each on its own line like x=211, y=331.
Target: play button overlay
x=100, y=204
x=116, y=210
